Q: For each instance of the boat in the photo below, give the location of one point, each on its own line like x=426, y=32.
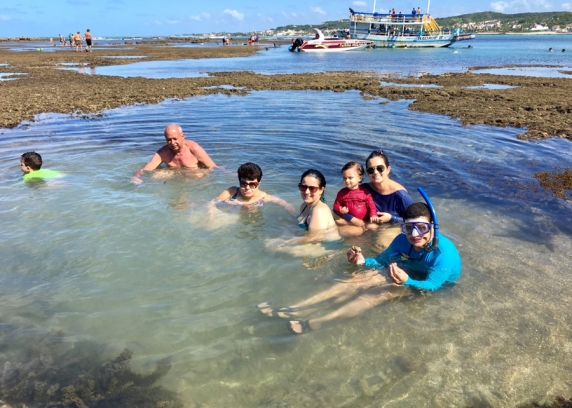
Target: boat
x=337, y=43
x=399, y=30
x=464, y=37
x=461, y=36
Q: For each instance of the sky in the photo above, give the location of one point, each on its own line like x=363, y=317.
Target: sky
x=112, y=18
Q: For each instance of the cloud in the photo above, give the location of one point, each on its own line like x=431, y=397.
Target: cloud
x=359, y=4
x=499, y=6
x=158, y=22
x=317, y=10
x=523, y=5
x=566, y=6
x=201, y=17
x=234, y=14
x=4, y=17
x=172, y=22
x=77, y=2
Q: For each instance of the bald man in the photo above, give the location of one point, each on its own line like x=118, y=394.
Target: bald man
x=178, y=152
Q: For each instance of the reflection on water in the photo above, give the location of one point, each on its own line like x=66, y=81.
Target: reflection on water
x=141, y=266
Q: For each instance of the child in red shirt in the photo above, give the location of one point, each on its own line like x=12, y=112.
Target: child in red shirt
x=355, y=199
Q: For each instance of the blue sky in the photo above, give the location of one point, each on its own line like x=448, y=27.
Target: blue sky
x=145, y=17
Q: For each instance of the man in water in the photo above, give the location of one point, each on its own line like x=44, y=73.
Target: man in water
x=177, y=153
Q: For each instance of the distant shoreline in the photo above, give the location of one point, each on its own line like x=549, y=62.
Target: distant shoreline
x=523, y=33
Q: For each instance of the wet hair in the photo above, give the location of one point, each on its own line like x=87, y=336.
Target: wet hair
x=417, y=210
x=377, y=153
x=33, y=160
x=316, y=174
x=354, y=165
x=249, y=171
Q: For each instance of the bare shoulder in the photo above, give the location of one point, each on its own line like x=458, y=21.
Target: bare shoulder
x=191, y=144
x=395, y=186
x=322, y=209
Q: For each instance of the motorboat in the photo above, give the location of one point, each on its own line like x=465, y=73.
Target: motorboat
x=341, y=41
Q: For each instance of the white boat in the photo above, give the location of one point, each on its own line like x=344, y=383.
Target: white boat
x=399, y=30
x=332, y=44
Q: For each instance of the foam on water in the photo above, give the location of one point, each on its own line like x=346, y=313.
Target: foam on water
x=102, y=259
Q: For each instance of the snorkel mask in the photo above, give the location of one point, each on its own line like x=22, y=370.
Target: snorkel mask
x=435, y=242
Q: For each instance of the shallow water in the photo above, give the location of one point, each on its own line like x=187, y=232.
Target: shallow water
x=486, y=51
x=101, y=259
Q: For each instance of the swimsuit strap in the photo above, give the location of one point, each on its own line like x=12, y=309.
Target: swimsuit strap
x=234, y=196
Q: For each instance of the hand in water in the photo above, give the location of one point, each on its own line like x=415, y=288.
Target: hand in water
x=355, y=257
x=136, y=180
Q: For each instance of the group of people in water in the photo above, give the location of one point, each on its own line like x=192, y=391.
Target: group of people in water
x=414, y=257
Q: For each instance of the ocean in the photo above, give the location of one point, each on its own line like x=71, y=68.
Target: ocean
x=115, y=265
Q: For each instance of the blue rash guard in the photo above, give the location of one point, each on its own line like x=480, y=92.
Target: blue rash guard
x=394, y=204
x=434, y=268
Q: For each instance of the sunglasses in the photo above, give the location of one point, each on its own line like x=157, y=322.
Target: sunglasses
x=422, y=228
x=304, y=187
x=380, y=169
x=251, y=184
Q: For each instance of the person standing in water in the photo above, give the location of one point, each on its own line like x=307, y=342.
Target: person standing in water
x=88, y=40
x=177, y=153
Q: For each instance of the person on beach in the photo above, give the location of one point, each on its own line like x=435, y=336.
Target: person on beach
x=77, y=42
x=414, y=261
x=248, y=194
x=354, y=199
x=61, y=40
x=390, y=198
x=177, y=153
x=70, y=39
x=87, y=37
x=31, y=166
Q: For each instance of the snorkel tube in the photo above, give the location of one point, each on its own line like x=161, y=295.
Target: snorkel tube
x=435, y=243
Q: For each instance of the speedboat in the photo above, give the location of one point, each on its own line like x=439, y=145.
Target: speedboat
x=339, y=42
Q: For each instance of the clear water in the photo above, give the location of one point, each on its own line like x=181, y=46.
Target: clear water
x=486, y=51
x=104, y=260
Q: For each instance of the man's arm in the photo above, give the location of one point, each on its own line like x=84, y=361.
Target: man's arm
x=155, y=162
x=201, y=155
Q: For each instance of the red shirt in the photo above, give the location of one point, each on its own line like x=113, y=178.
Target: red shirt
x=358, y=202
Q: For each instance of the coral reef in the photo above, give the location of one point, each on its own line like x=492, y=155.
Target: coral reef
x=51, y=374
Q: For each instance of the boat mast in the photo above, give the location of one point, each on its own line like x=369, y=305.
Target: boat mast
x=373, y=6
x=428, y=4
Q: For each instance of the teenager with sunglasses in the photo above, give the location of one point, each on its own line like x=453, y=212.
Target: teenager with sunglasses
x=390, y=198
x=247, y=193
x=413, y=260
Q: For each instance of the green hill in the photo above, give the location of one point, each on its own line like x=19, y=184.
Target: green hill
x=525, y=20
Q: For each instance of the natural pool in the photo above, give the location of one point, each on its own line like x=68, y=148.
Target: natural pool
x=122, y=265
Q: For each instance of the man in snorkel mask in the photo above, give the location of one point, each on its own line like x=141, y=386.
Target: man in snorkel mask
x=429, y=262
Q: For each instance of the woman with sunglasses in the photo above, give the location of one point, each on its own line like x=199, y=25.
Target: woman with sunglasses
x=390, y=198
x=315, y=215
x=247, y=194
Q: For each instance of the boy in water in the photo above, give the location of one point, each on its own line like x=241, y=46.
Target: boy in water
x=31, y=165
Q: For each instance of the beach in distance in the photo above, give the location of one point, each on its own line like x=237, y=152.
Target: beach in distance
x=144, y=295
